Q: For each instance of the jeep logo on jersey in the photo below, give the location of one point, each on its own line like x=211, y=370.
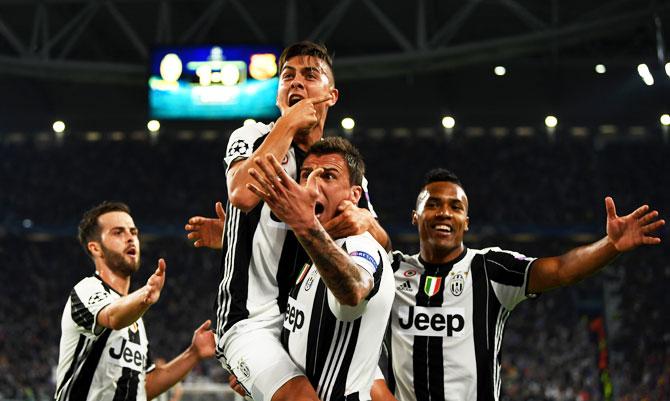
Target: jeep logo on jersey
x=127, y=354
x=432, y=322
x=294, y=318
x=457, y=284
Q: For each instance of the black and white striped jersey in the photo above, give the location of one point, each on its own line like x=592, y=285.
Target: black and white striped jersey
x=261, y=255
x=97, y=363
x=448, y=320
x=338, y=346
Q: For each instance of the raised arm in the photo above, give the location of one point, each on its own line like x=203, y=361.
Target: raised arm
x=294, y=205
x=163, y=377
x=126, y=310
x=624, y=233
x=296, y=119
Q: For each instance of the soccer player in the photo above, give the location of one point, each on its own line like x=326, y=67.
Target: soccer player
x=261, y=255
x=338, y=303
x=104, y=350
x=452, y=302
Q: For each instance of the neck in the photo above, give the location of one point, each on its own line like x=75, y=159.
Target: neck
x=440, y=256
x=120, y=283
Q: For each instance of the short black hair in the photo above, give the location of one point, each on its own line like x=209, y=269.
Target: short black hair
x=307, y=48
x=351, y=155
x=439, y=175
x=89, y=229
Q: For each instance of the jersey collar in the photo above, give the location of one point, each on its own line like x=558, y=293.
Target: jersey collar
x=442, y=268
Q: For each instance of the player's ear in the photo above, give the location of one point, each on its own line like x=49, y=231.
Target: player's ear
x=356, y=193
x=94, y=248
x=335, y=95
x=467, y=223
x=415, y=218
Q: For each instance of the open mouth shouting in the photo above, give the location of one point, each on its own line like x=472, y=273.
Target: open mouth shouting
x=293, y=99
x=318, y=209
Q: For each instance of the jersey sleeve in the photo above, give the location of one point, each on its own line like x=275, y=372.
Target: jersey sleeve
x=369, y=256
x=241, y=142
x=87, y=299
x=508, y=273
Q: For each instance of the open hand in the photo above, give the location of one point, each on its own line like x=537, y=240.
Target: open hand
x=152, y=290
x=207, y=232
x=630, y=231
x=203, y=341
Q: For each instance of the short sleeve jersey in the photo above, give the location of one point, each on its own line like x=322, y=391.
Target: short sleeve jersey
x=97, y=363
x=448, y=322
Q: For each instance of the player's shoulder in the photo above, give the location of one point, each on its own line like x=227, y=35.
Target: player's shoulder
x=251, y=131
x=399, y=258
x=88, y=283
x=495, y=252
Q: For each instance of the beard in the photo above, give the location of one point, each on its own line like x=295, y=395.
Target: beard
x=117, y=262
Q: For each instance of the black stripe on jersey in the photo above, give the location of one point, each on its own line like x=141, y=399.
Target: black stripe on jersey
x=73, y=365
x=351, y=340
x=377, y=277
x=292, y=258
x=126, y=386
x=235, y=265
x=80, y=313
x=82, y=382
x=505, y=268
x=397, y=258
x=428, y=360
x=485, y=307
x=321, y=331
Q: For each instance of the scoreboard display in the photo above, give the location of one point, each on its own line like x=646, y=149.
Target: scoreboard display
x=214, y=82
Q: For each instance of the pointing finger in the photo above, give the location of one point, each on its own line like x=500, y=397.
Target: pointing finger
x=320, y=99
x=610, y=207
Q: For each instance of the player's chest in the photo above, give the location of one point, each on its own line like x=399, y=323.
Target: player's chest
x=128, y=347
x=432, y=304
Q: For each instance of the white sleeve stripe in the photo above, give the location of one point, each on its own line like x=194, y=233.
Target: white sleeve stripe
x=505, y=268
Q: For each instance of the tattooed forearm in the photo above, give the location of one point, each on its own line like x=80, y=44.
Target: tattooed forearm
x=340, y=274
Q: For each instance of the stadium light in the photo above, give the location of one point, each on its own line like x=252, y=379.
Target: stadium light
x=665, y=120
x=448, y=122
x=667, y=69
x=348, y=123
x=249, y=121
x=153, y=126
x=600, y=68
x=551, y=121
x=644, y=72
x=58, y=127
x=499, y=70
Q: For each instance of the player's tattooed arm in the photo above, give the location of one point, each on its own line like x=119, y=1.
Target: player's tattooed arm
x=338, y=271
x=294, y=205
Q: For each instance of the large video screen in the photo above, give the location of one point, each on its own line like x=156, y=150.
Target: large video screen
x=214, y=82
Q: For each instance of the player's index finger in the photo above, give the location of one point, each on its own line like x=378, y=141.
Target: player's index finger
x=320, y=99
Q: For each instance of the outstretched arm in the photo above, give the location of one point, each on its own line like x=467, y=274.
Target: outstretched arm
x=126, y=310
x=624, y=233
x=294, y=205
x=205, y=231
x=163, y=377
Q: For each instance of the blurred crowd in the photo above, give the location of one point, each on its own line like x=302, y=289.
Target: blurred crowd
x=529, y=194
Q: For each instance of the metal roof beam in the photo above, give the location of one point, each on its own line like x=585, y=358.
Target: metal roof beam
x=451, y=27
x=526, y=16
x=127, y=30
x=390, y=27
x=328, y=24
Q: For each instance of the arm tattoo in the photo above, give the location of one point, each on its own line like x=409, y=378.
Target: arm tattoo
x=340, y=274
